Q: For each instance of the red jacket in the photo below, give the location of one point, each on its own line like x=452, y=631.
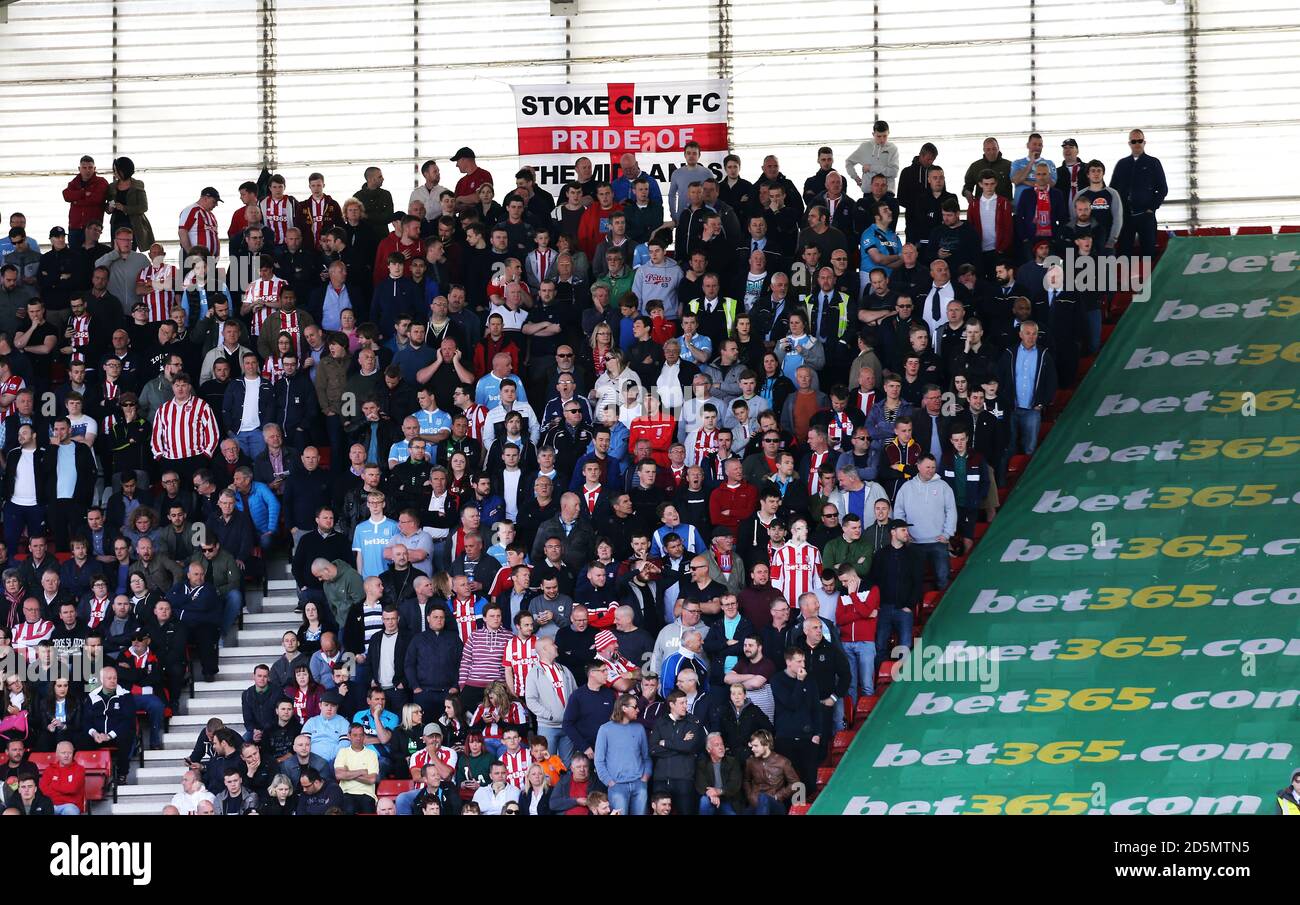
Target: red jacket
x=86, y=202
x=391, y=243
x=485, y=350
x=1004, y=232
x=741, y=501
x=589, y=232
x=856, y=618
x=65, y=785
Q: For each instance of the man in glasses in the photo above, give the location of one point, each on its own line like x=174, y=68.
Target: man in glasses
x=1140, y=181
x=566, y=389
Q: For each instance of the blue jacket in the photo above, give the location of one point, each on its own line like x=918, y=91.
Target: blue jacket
x=1140, y=183
x=585, y=713
x=113, y=716
x=195, y=606
x=622, y=753
x=1026, y=204
x=232, y=403
x=394, y=297
x=263, y=507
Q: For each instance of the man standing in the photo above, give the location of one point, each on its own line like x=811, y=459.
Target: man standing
x=71, y=470
x=198, y=225
x=1140, y=181
x=927, y=503
x=1030, y=374
x=876, y=157
x=473, y=177
x=797, y=716
x=185, y=431
x=675, y=744
x=85, y=194
x=897, y=571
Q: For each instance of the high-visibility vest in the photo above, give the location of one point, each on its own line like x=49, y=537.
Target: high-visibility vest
x=813, y=299
x=1288, y=806
x=730, y=307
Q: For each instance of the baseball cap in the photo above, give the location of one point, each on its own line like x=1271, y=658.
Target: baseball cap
x=1070, y=142
x=897, y=523
x=210, y=192
x=58, y=231
x=605, y=639
x=332, y=697
x=432, y=729
x=463, y=152
x=722, y=531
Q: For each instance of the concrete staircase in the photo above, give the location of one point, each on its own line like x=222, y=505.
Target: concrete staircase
x=266, y=619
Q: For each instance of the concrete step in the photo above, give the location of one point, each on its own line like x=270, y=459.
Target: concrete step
x=204, y=706
x=169, y=775
x=267, y=652
x=278, y=605
x=264, y=636
x=180, y=741
x=147, y=792
x=171, y=755
x=284, y=619
x=151, y=805
x=281, y=584
x=194, y=721
x=222, y=685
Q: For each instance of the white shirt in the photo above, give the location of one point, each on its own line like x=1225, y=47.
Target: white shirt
x=510, y=489
x=945, y=296
x=251, y=420
x=988, y=223
x=188, y=802
x=25, y=480
x=387, y=652
x=491, y=803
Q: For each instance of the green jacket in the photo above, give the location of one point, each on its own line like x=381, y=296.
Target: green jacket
x=136, y=202
x=343, y=591
x=618, y=286
x=838, y=552
x=222, y=571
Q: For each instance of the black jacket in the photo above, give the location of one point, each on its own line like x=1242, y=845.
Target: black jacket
x=259, y=707
x=232, y=404
x=83, y=463
x=737, y=728
x=432, y=660
x=828, y=668
x=543, y=806
x=401, y=645
x=672, y=752
x=898, y=572
x=12, y=457
x=732, y=774
x=798, y=712
x=113, y=716
x=1045, y=380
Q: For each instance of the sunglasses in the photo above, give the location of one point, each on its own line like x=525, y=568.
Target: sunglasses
x=1137, y=141
x=563, y=354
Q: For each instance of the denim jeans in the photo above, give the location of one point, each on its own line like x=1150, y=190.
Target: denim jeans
x=891, y=619
x=1094, y=331
x=629, y=797
x=862, y=668
x=708, y=810
x=67, y=810
x=234, y=602
x=152, y=705
x=253, y=443
x=766, y=805
x=1024, y=430
x=557, y=742
x=937, y=554
x=16, y=517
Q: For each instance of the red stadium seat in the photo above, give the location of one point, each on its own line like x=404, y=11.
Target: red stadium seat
x=824, y=776
x=886, y=673
x=391, y=788
x=1106, y=331
x=799, y=809
x=99, y=768
x=981, y=528
x=865, y=706
x=41, y=759
x=94, y=790
x=1212, y=231
x=1289, y=228
x=840, y=744
x=1254, y=230
x=1019, y=462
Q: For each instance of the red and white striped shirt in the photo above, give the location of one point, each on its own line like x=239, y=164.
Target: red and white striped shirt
x=422, y=758
x=273, y=369
x=815, y=461
x=591, y=496
x=264, y=296
x=619, y=667
x=495, y=722
x=278, y=215
x=202, y=227
x=12, y=386
x=466, y=615
x=80, y=337
x=98, y=609
x=865, y=401
x=550, y=672
x=800, y=571
x=315, y=209
x=520, y=657
x=111, y=391
x=517, y=765
x=161, y=280
x=839, y=427
x=706, y=443
x=477, y=416
x=29, y=634
x=184, y=429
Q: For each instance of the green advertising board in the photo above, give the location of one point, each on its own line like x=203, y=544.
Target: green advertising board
x=1133, y=609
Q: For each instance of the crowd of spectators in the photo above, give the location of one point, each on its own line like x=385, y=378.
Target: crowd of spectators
x=605, y=503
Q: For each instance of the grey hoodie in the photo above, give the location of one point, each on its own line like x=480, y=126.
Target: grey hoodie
x=658, y=281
